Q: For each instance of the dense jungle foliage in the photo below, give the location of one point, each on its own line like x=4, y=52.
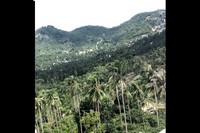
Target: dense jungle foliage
x=100, y=80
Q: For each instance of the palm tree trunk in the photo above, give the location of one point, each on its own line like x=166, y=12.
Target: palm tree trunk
x=74, y=102
x=55, y=116
x=48, y=116
x=99, y=112
x=37, y=126
x=124, y=110
x=156, y=103
x=96, y=106
x=59, y=118
x=140, y=106
x=51, y=118
x=119, y=107
x=79, y=113
x=129, y=113
x=41, y=123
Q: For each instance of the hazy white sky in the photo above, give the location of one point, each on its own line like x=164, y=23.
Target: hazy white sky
x=70, y=14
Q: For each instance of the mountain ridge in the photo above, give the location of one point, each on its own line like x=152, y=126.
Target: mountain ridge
x=158, y=10
x=146, y=20
x=55, y=46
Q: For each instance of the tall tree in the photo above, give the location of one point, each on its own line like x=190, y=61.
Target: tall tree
x=118, y=70
x=122, y=86
x=154, y=77
x=96, y=93
x=52, y=108
x=39, y=106
x=73, y=87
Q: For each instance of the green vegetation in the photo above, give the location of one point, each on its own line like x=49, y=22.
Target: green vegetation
x=99, y=80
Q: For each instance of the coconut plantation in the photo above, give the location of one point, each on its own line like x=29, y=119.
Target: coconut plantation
x=95, y=79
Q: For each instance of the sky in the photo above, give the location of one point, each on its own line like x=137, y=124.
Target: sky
x=70, y=14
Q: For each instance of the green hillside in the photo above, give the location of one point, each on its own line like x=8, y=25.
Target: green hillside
x=102, y=80
x=55, y=46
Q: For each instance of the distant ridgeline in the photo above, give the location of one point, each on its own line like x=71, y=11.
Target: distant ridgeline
x=59, y=54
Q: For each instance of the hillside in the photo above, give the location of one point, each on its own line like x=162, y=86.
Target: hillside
x=143, y=23
x=54, y=45
x=102, y=80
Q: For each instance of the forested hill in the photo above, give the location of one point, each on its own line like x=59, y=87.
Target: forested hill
x=82, y=65
x=55, y=46
x=143, y=23
x=102, y=80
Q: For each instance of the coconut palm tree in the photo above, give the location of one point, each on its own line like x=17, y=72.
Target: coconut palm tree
x=73, y=87
x=161, y=81
x=122, y=85
x=113, y=86
x=156, y=84
x=119, y=81
x=96, y=93
x=53, y=112
x=129, y=97
x=133, y=92
x=39, y=106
